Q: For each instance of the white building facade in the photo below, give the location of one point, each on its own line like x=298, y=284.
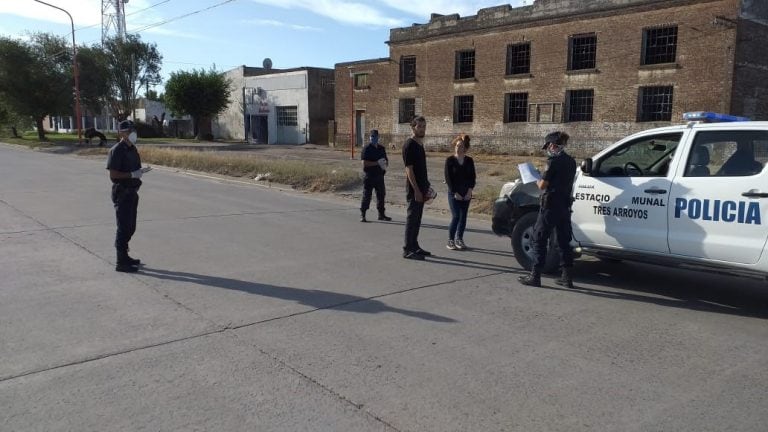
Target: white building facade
x=277, y=106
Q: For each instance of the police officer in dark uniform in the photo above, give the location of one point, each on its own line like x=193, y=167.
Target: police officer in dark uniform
x=375, y=163
x=555, y=211
x=125, y=171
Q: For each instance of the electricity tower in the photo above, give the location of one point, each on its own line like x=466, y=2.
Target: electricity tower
x=112, y=19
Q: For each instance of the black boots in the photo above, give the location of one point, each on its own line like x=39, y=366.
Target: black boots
x=533, y=279
x=565, y=278
x=384, y=217
x=126, y=264
x=362, y=216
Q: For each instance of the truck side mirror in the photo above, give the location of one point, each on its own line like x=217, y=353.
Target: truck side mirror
x=586, y=166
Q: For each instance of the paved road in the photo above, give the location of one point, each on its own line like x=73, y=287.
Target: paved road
x=263, y=310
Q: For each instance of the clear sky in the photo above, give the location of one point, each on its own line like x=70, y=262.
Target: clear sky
x=200, y=34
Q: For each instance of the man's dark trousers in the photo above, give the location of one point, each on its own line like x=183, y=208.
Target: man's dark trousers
x=371, y=183
x=559, y=220
x=413, y=224
x=126, y=201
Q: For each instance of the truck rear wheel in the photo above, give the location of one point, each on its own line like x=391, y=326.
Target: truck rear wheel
x=522, y=242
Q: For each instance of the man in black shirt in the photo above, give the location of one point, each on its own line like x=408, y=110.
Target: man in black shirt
x=555, y=211
x=416, y=187
x=375, y=164
x=125, y=171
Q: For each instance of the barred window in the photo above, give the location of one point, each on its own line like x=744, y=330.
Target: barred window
x=407, y=110
x=361, y=81
x=462, y=109
x=580, y=105
x=582, y=51
x=287, y=115
x=659, y=45
x=407, y=69
x=465, y=64
x=519, y=58
x=655, y=104
x=515, y=107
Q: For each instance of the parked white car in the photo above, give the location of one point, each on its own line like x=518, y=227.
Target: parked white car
x=690, y=195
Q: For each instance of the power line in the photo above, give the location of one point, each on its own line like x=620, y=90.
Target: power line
x=176, y=18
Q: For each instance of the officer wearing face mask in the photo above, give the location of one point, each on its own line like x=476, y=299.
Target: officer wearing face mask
x=125, y=171
x=556, y=185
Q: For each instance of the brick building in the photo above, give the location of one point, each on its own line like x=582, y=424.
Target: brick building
x=599, y=69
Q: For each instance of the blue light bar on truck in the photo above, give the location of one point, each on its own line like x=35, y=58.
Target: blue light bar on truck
x=712, y=117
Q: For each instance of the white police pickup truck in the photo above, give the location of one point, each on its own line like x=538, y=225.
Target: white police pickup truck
x=693, y=195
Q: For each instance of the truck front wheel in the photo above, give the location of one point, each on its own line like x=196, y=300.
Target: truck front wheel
x=522, y=245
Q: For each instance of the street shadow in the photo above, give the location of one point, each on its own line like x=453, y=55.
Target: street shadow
x=678, y=288
x=465, y=263
x=316, y=299
x=439, y=227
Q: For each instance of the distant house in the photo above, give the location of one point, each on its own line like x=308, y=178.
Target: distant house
x=271, y=106
x=146, y=111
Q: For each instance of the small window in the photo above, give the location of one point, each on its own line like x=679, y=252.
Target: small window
x=516, y=107
x=361, y=81
x=407, y=110
x=659, y=45
x=465, y=64
x=580, y=105
x=728, y=154
x=519, y=58
x=655, y=104
x=462, y=109
x=407, y=69
x=287, y=116
x=648, y=156
x=582, y=52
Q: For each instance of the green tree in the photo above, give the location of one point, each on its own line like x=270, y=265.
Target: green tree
x=36, y=77
x=132, y=64
x=12, y=120
x=201, y=94
x=95, y=84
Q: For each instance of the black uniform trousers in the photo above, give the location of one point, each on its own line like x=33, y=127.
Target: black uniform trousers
x=126, y=201
x=557, y=219
x=413, y=224
x=371, y=183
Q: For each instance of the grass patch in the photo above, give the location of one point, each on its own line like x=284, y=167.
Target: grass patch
x=482, y=200
x=299, y=174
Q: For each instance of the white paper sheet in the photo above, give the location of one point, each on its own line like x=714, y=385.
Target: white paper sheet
x=528, y=173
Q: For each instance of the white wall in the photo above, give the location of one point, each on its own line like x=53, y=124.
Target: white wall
x=282, y=89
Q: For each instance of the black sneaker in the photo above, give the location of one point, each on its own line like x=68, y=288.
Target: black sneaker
x=413, y=256
x=126, y=268
x=423, y=252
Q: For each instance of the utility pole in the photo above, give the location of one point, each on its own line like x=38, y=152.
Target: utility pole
x=112, y=19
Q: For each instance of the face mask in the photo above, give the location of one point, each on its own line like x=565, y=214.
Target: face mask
x=132, y=137
x=554, y=150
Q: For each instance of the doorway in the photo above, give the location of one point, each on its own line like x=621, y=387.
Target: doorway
x=259, y=128
x=359, y=127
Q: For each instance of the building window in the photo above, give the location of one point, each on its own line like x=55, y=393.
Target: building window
x=655, y=104
x=519, y=58
x=462, y=109
x=516, y=107
x=407, y=69
x=361, y=81
x=580, y=103
x=582, y=52
x=287, y=115
x=465, y=64
x=407, y=110
x=659, y=45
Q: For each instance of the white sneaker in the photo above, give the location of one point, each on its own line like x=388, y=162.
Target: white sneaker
x=460, y=244
x=451, y=245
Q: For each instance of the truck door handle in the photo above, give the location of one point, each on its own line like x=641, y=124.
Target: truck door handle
x=752, y=194
x=655, y=191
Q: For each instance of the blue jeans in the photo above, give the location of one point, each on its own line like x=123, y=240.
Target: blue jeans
x=459, y=210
